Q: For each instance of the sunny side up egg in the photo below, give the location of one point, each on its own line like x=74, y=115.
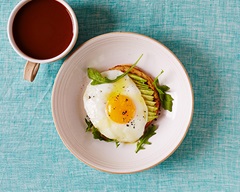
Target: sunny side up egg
x=116, y=109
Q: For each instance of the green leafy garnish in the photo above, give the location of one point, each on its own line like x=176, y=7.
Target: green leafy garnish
x=144, y=139
x=96, y=134
x=97, y=77
x=165, y=98
x=150, y=131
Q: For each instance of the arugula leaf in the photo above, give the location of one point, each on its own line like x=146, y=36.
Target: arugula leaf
x=97, y=134
x=89, y=125
x=97, y=77
x=167, y=102
x=140, y=144
x=117, y=143
x=165, y=98
x=163, y=87
x=144, y=139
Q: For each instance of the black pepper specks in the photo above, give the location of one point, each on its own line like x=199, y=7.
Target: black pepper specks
x=124, y=112
x=132, y=125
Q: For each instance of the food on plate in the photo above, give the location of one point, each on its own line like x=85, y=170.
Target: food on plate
x=121, y=104
x=117, y=109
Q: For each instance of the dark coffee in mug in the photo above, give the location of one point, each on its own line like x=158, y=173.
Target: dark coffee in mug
x=42, y=29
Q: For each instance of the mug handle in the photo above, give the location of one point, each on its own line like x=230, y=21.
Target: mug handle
x=31, y=70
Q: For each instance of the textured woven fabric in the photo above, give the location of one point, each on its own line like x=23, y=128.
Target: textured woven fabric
x=205, y=36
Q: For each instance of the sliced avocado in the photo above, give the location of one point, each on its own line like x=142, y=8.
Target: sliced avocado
x=143, y=86
x=133, y=76
x=150, y=103
x=148, y=97
x=151, y=113
x=146, y=92
x=150, y=118
x=152, y=108
x=139, y=82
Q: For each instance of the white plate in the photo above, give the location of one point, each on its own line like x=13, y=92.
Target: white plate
x=103, y=52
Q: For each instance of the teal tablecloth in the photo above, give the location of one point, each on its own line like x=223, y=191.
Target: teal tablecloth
x=204, y=34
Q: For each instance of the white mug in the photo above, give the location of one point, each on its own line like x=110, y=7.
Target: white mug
x=32, y=65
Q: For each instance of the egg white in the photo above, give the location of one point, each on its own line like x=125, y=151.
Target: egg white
x=95, y=100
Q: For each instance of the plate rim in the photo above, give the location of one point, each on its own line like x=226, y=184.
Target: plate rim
x=58, y=78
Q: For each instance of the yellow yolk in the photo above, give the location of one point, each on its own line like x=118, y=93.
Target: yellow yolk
x=120, y=108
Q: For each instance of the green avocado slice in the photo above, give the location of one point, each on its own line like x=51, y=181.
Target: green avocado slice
x=147, y=94
x=150, y=103
x=135, y=77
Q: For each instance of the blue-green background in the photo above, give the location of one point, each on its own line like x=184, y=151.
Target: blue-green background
x=205, y=36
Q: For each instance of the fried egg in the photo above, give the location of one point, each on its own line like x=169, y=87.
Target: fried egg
x=116, y=109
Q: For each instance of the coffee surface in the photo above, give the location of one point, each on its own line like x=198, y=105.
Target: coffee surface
x=43, y=29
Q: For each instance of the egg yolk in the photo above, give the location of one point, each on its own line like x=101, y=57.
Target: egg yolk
x=120, y=108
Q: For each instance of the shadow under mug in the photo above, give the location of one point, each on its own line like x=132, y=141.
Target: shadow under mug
x=32, y=64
